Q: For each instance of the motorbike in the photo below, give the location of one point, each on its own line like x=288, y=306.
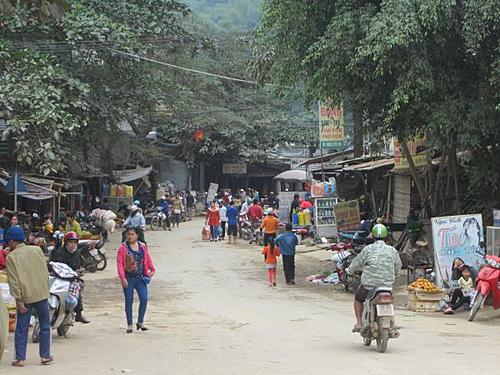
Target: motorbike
x=487, y=286
x=89, y=225
x=345, y=254
x=65, y=286
x=378, y=318
x=157, y=219
x=93, y=255
x=245, y=227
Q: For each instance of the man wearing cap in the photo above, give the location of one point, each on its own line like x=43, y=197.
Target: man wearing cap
x=165, y=209
x=29, y=285
x=380, y=264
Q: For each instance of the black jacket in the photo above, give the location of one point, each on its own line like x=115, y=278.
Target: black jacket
x=62, y=255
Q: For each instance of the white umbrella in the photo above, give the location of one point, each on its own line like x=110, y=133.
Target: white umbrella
x=293, y=175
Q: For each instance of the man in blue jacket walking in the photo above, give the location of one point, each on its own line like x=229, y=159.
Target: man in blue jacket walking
x=287, y=242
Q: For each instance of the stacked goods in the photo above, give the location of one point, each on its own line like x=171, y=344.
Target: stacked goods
x=8, y=300
x=425, y=285
x=424, y=296
x=122, y=191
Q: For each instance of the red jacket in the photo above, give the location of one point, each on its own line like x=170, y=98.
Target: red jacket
x=121, y=261
x=213, y=217
x=255, y=213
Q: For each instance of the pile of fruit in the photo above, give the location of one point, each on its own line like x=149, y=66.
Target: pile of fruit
x=425, y=285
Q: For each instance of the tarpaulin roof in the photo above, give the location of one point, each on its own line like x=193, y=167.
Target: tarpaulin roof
x=128, y=175
x=37, y=192
x=293, y=175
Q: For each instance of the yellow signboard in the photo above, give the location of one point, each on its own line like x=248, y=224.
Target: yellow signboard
x=331, y=126
x=417, y=149
x=347, y=215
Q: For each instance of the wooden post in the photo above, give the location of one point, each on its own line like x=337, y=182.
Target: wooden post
x=414, y=172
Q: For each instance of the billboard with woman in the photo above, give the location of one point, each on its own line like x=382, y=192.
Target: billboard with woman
x=456, y=244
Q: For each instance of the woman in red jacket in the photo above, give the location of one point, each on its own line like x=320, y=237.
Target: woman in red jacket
x=135, y=269
x=213, y=219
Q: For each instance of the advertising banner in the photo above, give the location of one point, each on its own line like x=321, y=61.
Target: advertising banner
x=212, y=191
x=331, y=126
x=347, y=214
x=417, y=151
x=234, y=168
x=456, y=243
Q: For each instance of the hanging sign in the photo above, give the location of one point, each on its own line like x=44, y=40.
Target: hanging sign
x=331, y=126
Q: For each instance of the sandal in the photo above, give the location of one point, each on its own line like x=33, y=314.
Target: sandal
x=356, y=329
x=18, y=363
x=46, y=361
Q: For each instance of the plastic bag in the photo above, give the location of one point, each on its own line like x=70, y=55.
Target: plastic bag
x=205, y=233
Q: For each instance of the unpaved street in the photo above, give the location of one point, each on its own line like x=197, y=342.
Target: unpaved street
x=211, y=312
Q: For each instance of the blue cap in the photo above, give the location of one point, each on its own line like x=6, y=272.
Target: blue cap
x=15, y=233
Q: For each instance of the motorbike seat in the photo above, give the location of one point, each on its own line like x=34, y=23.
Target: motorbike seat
x=373, y=293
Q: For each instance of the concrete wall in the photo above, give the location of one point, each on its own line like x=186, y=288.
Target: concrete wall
x=175, y=171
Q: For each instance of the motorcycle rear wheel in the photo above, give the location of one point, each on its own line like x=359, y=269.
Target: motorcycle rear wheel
x=102, y=262
x=155, y=223
x=476, y=306
x=383, y=340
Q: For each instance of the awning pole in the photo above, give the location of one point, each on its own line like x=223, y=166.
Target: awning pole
x=15, y=189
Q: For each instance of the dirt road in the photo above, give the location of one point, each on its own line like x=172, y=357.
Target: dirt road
x=211, y=312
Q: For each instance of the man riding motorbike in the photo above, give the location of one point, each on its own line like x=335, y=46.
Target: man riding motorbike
x=68, y=254
x=380, y=264
x=165, y=209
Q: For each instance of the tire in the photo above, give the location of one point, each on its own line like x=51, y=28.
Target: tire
x=35, y=335
x=476, y=306
x=382, y=340
x=62, y=330
x=155, y=223
x=367, y=341
x=103, y=262
x=91, y=267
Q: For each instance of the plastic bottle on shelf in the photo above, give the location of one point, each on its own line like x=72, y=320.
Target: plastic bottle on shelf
x=295, y=217
x=307, y=217
x=301, y=218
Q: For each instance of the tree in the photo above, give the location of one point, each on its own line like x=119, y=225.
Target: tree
x=414, y=67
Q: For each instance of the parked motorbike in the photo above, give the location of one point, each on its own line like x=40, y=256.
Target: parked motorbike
x=65, y=287
x=93, y=255
x=341, y=261
x=487, y=286
x=378, y=318
x=89, y=225
x=245, y=226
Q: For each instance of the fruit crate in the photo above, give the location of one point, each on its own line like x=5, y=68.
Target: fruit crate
x=420, y=301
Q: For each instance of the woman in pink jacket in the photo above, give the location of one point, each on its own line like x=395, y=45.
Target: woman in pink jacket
x=135, y=269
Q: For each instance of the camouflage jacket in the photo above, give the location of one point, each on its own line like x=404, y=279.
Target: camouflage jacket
x=380, y=264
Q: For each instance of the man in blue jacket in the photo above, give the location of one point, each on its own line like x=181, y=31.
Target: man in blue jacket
x=286, y=243
x=165, y=209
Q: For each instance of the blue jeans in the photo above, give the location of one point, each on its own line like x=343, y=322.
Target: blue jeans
x=142, y=291
x=23, y=325
x=214, y=231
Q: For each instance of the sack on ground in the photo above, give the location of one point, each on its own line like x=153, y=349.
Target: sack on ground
x=205, y=232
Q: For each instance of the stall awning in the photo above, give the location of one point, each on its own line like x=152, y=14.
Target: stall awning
x=128, y=175
x=370, y=165
x=37, y=192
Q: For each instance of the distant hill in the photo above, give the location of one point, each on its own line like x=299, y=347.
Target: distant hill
x=227, y=15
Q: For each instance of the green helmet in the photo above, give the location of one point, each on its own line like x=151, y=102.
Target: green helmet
x=380, y=231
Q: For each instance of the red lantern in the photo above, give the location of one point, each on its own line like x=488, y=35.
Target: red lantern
x=199, y=135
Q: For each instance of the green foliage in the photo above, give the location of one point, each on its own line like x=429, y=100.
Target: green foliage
x=413, y=66
x=49, y=107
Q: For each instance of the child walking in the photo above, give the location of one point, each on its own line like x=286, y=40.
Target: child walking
x=270, y=253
